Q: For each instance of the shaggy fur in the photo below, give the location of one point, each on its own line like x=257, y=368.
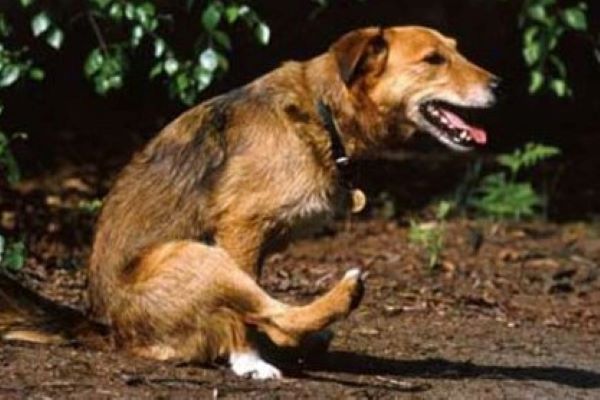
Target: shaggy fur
x=182, y=232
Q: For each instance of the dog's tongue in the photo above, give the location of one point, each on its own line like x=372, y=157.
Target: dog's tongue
x=478, y=134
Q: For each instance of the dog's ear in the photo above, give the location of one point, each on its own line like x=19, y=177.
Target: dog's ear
x=360, y=52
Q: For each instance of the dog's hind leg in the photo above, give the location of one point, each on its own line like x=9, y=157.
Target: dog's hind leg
x=287, y=325
x=187, y=300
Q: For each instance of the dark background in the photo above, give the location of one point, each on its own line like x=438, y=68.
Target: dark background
x=67, y=122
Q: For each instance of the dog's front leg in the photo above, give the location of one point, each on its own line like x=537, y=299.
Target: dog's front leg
x=243, y=242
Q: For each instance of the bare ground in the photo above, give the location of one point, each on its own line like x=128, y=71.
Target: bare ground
x=513, y=312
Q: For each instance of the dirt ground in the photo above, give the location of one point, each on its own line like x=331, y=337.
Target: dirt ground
x=513, y=312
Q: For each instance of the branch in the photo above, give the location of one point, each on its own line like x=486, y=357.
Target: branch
x=97, y=33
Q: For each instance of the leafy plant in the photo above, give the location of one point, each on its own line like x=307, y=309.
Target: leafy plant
x=15, y=66
x=126, y=29
x=146, y=27
x=92, y=206
x=544, y=23
x=430, y=236
x=12, y=255
x=501, y=194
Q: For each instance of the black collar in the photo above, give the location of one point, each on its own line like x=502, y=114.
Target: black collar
x=338, y=151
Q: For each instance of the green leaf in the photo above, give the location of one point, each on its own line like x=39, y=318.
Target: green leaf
x=536, y=80
x=232, y=13
x=182, y=82
x=532, y=53
x=575, y=18
x=223, y=63
x=211, y=17
x=13, y=256
x=559, y=86
x=36, y=74
x=222, y=38
x=116, y=11
x=26, y=3
x=93, y=62
x=262, y=33
x=443, y=209
x=8, y=161
x=530, y=34
x=209, y=59
x=204, y=78
x=9, y=75
x=159, y=47
x=55, y=38
x=537, y=12
x=5, y=27
x=171, y=66
x=101, y=3
x=510, y=161
x=156, y=70
x=243, y=10
x=560, y=66
x=137, y=33
x=129, y=11
x=40, y=23
x=145, y=15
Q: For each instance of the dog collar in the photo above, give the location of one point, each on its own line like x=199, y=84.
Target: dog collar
x=343, y=164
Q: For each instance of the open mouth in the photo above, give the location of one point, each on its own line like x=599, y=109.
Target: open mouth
x=444, y=123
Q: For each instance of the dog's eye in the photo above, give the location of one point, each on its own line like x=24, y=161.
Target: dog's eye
x=434, y=58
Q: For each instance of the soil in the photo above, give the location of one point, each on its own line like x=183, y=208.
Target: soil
x=511, y=312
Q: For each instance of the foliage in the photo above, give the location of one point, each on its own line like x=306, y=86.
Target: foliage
x=429, y=236
x=92, y=206
x=15, y=65
x=12, y=255
x=544, y=24
x=8, y=164
x=125, y=29
x=529, y=156
x=501, y=195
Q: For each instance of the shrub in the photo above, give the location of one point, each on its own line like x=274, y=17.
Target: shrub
x=429, y=236
x=12, y=255
x=501, y=194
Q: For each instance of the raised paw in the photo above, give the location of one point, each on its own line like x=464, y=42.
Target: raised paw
x=249, y=365
x=353, y=281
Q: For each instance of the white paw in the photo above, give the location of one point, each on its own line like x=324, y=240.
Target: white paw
x=250, y=365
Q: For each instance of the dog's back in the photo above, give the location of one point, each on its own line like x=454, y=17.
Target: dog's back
x=174, y=264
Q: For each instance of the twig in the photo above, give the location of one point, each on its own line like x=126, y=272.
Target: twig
x=97, y=33
x=404, y=385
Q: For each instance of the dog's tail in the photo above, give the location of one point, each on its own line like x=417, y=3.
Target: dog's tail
x=26, y=316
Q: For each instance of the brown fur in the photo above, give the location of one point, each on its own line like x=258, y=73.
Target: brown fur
x=181, y=234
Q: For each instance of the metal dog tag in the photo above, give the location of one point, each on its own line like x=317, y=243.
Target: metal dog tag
x=359, y=200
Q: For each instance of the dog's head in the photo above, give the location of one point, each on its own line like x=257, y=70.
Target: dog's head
x=417, y=76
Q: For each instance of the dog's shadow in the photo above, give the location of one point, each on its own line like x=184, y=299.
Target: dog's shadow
x=391, y=372
x=317, y=358
x=438, y=368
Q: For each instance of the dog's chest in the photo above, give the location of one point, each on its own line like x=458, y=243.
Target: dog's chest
x=307, y=209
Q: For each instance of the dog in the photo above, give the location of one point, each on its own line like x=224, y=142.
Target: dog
x=181, y=235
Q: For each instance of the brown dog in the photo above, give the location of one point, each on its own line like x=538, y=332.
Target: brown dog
x=178, y=243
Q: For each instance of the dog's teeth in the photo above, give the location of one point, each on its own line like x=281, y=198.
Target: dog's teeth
x=463, y=135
